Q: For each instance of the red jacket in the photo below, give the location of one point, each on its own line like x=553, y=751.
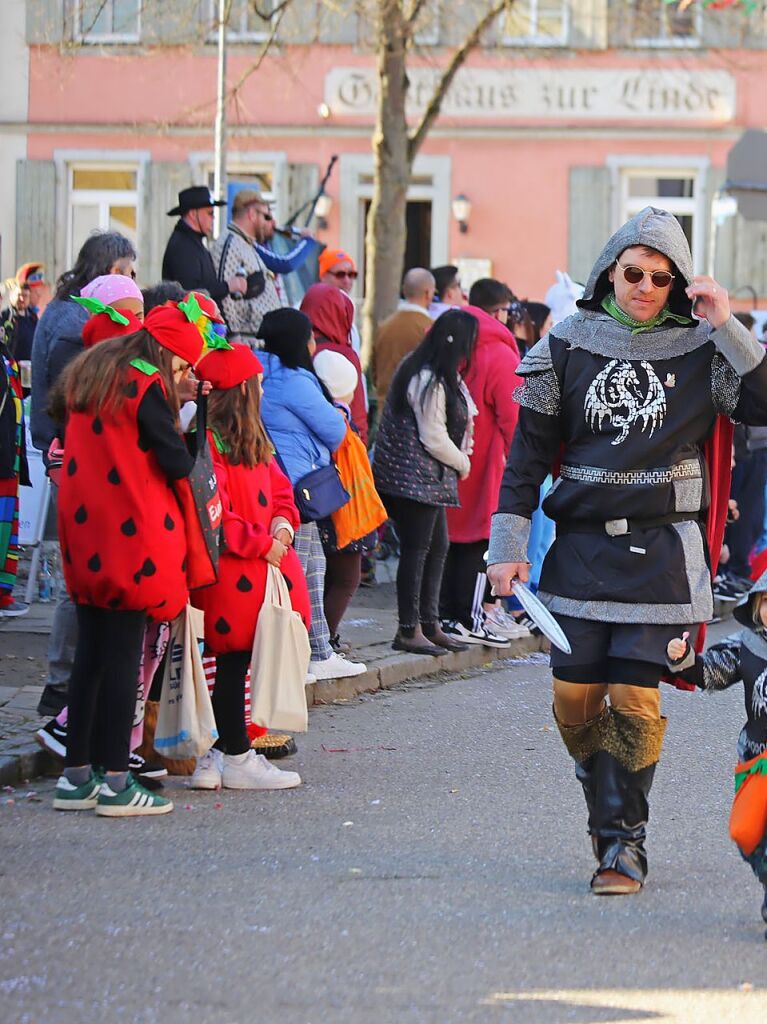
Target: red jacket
x=491, y=380
x=251, y=499
x=332, y=315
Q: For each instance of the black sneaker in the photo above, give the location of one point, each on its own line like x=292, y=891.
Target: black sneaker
x=724, y=592
x=527, y=622
x=53, y=738
x=144, y=769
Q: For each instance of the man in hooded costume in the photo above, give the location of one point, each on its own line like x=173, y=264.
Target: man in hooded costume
x=624, y=397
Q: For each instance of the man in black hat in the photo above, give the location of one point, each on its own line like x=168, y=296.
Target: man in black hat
x=186, y=258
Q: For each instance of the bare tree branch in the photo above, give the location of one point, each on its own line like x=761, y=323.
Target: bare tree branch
x=86, y=30
x=412, y=17
x=274, y=26
x=440, y=90
x=267, y=15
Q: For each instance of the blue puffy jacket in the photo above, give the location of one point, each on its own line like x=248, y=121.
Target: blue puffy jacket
x=304, y=427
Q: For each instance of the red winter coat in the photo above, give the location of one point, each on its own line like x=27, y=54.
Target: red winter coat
x=491, y=380
x=251, y=499
x=332, y=314
x=120, y=527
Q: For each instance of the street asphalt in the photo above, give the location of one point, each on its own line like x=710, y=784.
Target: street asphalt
x=433, y=868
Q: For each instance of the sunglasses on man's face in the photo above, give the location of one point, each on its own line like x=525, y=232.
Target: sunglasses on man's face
x=659, y=278
x=351, y=274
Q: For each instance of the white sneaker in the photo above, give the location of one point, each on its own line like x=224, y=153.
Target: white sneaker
x=481, y=636
x=500, y=622
x=310, y=678
x=336, y=667
x=252, y=771
x=207, y=774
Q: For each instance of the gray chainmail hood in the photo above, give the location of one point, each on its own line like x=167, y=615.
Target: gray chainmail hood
x=744, y=609
x=655, y=229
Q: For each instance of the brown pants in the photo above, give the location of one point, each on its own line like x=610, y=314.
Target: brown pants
x=578, y=703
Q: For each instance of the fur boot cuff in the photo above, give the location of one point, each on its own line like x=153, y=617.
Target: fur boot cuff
x=633, y=741
x=583, y=740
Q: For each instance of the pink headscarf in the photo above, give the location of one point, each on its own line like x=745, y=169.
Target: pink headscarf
x=110, y=288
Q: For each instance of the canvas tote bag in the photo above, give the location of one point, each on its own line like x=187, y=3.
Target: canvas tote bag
x=279, y=661
x=186, y=726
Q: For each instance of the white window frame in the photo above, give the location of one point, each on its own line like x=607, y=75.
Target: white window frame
x=98, y=39
x=624, y=206
x=533, y=39
x=242, y=34
x=432, y=35
x=672, y=41
x=356, y=186
x=272, y=162
x=108, y=160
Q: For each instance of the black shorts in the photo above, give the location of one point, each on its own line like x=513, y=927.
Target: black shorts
x=613, y=652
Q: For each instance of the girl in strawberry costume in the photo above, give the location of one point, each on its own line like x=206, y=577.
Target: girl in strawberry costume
x=123, y=544
x=259, y=521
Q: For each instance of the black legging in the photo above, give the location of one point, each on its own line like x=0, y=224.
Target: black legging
x=422, y=533
x=103, y=686
x=229, y=702
x=342, y=577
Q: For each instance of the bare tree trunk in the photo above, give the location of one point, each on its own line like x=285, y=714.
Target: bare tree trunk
x=385, y=244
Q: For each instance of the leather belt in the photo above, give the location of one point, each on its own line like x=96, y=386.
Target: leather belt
x=623, y=527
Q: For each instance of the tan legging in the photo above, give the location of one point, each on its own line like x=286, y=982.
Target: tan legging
x=577, y=703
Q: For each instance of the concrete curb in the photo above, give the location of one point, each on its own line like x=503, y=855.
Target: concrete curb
x=386, y=670
x=29, y=762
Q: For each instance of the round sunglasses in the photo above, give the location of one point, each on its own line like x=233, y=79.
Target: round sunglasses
x=659, y=278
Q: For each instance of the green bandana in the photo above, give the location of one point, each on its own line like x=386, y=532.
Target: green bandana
x=609, y=305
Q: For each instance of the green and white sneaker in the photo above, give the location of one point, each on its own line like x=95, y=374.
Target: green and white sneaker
x=132, y=801
x=69, y=797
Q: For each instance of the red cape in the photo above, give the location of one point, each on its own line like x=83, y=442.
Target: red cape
x=718, y=455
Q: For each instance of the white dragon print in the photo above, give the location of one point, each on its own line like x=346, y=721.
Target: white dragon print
x=758, y=696
x=616, y=394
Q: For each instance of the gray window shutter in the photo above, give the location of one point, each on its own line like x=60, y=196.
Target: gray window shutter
x=302, y=182
x=36, y=214
x=740, y=256
x=162, y=183
x=589, y=219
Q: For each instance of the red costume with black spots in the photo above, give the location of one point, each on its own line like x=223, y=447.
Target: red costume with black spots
x=121, y=531
x=252, y=498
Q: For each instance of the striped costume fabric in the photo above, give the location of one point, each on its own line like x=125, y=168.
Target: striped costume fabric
x=209, y=665
x=9, y=495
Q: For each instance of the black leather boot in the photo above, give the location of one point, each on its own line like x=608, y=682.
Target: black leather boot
x=622, y=811
x=585, y=773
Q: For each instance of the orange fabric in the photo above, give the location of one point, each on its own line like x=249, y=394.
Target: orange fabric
x=364, y=511
x=748, y=818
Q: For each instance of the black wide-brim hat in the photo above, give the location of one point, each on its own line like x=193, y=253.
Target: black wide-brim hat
x=197, y=197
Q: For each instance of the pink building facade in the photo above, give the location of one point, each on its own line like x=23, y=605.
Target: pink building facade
x=555, y=134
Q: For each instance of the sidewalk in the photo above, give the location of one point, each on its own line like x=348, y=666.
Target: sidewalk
x=369, y=626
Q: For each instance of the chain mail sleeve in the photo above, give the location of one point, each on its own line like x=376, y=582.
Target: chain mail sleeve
x=717, y=669
x=534, y=449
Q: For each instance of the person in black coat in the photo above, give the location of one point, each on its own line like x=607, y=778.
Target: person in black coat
x=186, y=258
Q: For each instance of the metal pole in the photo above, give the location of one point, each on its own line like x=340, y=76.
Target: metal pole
x=713, y=229
x=219, y=174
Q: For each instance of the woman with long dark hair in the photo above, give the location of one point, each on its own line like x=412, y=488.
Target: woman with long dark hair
x=422, y=449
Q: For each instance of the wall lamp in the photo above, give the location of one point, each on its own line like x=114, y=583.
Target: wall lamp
x=462, y=211
x=322, y=209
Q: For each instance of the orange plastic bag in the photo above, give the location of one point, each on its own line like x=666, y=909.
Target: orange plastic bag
x=364, y=511
x=748, y=818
